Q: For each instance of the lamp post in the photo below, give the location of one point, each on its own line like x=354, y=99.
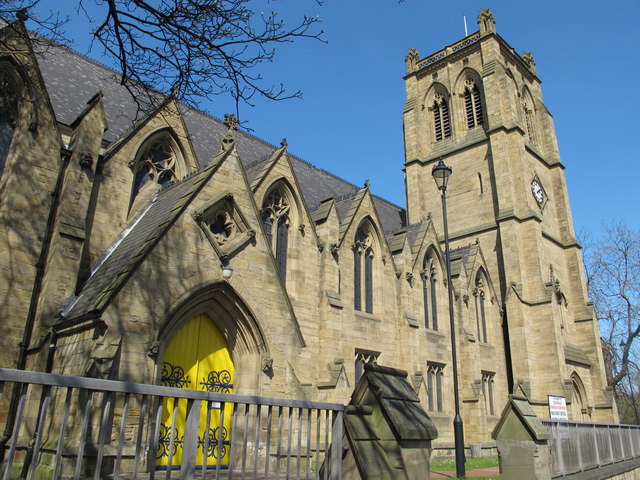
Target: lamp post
x=441, y=174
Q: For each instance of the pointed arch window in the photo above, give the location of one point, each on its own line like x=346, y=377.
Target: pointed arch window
x=472, y=103
x=429, y=293
x=435, y=372
x=529, y=115
x=363, y=271
x=275, y=219
x=8, y=115
x=479, y=292
x=487, y=392
x=441, y=120
x=157, y=163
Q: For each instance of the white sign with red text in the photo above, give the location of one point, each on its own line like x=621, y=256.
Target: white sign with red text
x=557, y=408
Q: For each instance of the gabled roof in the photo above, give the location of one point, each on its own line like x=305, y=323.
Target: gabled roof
x=131, y=247
x=73, y=79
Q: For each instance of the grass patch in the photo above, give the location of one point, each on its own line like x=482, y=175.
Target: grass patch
x=470, y=464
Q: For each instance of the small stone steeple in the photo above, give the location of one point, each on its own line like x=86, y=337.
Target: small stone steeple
x=486, y=22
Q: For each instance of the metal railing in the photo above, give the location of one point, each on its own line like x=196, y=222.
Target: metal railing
x=580, y=446
x=77, y=427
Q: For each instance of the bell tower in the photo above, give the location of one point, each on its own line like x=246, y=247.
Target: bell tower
x=477, y=104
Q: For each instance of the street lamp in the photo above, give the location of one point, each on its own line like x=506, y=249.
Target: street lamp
x=441, y=174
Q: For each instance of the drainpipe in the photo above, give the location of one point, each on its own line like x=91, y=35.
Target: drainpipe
x=65, y=155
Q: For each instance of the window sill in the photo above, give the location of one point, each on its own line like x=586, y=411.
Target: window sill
x=365, y=315
x=435, y=333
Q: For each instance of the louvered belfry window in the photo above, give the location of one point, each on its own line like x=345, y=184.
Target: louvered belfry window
x=363, y=272
x=472, y=104
x=441, y=121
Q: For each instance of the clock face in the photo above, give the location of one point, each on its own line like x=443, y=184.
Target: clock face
x=538, y=192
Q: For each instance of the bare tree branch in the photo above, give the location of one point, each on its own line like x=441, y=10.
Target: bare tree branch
x=192, y=49
x=613, y=276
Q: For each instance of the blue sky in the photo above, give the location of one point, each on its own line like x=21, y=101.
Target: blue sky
x=349, y=121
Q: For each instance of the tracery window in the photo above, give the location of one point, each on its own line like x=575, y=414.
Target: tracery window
x=487, y=392
x=8, y=115
x=157, y=164
x=479, y=292
x=441, y=120
x=472, y=103
x=362, y=357
x=429, y=292
x=435, y=372
x=275, y=219
x=363, y=271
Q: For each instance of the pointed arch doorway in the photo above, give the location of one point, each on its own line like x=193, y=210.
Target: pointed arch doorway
x=198, y=358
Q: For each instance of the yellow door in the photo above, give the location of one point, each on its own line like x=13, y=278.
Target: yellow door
x=197, y=358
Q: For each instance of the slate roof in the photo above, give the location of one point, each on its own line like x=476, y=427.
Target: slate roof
x=72, y=79
x=461, y=257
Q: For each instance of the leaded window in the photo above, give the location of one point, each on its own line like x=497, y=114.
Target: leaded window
x=487, y=392
x=362, y=357
x=429, y=293
x=441, y=120
x=275, y=219
x=479, y=292
x=363, y=272
x=472, y=104
x=157, y=164
x=435, y=372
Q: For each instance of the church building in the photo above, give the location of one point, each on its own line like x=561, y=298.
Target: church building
x=153, y=243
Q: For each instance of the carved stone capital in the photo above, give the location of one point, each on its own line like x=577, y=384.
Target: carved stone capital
x=85, y=160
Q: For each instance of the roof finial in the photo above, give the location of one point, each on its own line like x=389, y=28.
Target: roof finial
x=284, y=143
x=367, y=184
x=231, y=122
x=486, y=22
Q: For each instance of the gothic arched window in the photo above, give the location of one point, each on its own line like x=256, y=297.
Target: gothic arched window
x=8, y=115
x=441, y=120
x=479, y=292
x=429, y=292
x=363, y=271
x=472, y=103
x=528, y=108
x=157, y=163
x=275, y=219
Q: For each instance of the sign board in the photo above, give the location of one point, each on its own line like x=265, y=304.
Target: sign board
x=557, y=408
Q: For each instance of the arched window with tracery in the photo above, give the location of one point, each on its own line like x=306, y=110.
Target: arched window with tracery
x=472, y=103
x=363, y=271
x=480, y=294
x=276, y=211
x=8, y=114
x=159, y=162
x=441, y=120
x=430, y=291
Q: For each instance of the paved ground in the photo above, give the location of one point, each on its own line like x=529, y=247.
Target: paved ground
x=478, y=472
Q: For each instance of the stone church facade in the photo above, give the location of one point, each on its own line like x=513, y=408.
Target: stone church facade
x=117, y=231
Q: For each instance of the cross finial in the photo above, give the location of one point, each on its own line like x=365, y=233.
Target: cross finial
x=230, y=121
x=284, y=143
x=367, y=184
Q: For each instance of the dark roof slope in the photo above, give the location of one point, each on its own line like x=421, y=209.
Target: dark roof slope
x=72, y=79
